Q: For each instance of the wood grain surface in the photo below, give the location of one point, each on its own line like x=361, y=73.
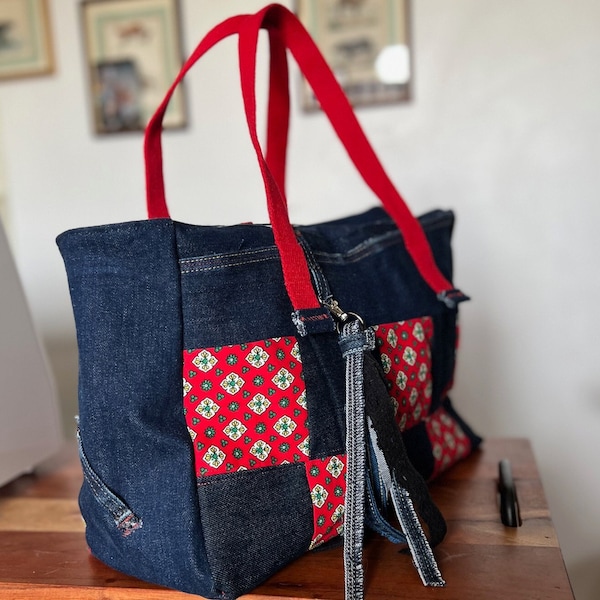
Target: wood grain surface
x=43, y=553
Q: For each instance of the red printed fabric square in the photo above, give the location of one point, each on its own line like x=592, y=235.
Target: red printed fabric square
x=245, y=408
x=449, y=442
x=405, y=350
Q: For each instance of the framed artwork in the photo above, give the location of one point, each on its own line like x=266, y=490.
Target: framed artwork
x=133, y=53
x=25, y=39
x=367, y=45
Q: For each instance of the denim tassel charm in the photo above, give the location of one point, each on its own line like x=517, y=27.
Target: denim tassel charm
x=372, y=435
x=355, y=342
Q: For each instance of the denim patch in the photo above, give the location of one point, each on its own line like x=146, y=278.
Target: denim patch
x=255, y=522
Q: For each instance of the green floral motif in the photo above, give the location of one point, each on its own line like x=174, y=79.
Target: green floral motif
x=409, y=355
x=260, y=428
x=204, y=360
x=232, y=384
x=318, y=495
x=206, y=385
x=335, y=466
x=296, y=352
x=231, y=359
x=257, y=357
x=386, y=363
x=207, y=408
x=259, y=404
x=285, y=426
x=235, y=430
x=233, y=406
x=338, y=491
x=214, y=457
x=238, y=453
x=284, y=402
x=392, y=338
x=258, y=380
x=280, y=354
x=283, y=379
x=418, y=331
x=401, y=380
x=302, y=400
x=260, y=450
x=284, y=447
x=210, y=432
x=304, y=446
x=314, y=471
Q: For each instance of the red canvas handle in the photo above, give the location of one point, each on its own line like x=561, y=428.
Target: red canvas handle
x=336, y=106
x=285, y=31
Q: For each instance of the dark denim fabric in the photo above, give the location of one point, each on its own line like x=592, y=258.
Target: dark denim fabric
x=124, y=282
x=143, y=292
x=255, y=522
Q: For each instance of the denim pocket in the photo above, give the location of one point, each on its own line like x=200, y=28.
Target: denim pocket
x=125, y=519
x=254, y=523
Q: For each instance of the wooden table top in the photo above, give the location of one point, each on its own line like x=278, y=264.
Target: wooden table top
x=43, y=553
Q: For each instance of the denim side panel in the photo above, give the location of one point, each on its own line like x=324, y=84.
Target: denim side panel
x=255, y=522
x=124, y=283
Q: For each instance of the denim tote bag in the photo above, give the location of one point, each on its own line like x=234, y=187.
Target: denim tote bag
x=251, y=392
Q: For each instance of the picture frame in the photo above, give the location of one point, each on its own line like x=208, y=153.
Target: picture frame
x=367, y=45
x=25, y=39
x=133, y=53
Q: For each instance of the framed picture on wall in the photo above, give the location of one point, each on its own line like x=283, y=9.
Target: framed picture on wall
x=25, y=39
x=366, y=43
x=133, y=53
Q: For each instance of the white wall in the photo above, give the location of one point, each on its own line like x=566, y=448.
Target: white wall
x=504, y=128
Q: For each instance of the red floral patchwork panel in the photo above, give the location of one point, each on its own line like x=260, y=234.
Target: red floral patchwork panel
x=245, y=407
x=449, y=442
x=405, y=349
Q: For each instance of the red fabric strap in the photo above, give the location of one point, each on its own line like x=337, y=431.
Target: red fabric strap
x=336, y=106
x=285, y=31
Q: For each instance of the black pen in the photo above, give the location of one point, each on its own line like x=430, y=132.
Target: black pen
x=509, y=503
